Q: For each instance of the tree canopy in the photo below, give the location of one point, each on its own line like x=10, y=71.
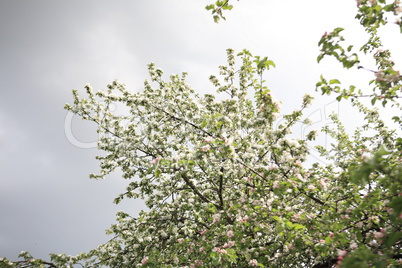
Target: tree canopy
x=225, y=188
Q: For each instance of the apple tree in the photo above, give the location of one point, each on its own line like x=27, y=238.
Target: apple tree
x=224, y=187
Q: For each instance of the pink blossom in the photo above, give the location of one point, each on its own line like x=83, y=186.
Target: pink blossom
x=198, y=262
x=229, y=244
x=230, y=233
x=243, y=219
x=155, y=161
x=228, y=141
x=180, y=240
x=323, y=183
x=300, y=177
x=378, y=235
x=310, y=216
x=205, y=148
x=296, y=217
x=342, y=253
x=253, y=262
x=216, y=218
x=203, y=232
x=208, y=139
x=144, y=260
x=219, y=250
x=311, y=187
x=359, y=224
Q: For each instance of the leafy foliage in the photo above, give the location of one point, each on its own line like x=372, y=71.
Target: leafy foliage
x=217, y=9
x=387, y=81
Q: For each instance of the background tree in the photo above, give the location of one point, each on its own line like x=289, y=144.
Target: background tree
x=225, y=188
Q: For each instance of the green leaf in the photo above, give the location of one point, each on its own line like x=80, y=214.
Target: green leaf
x=297, y=226
x=334, y=81
x=157, y=173
x=270, y=63
x=359, y=235
x=382, y=151
x=338, y=30
x=398, y=143
x=209, y=7
x=227, y=7
x=277, y=218
x=389, y=7
x=360, y=175
x=396, y=204
x=392, y=238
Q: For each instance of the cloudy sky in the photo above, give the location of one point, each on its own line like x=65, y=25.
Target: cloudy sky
x=47, y=48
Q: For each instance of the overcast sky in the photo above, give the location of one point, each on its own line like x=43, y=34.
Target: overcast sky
x=47, y=48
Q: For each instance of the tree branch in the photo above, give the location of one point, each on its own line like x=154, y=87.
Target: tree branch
x=195, y=190
x=182, y=120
